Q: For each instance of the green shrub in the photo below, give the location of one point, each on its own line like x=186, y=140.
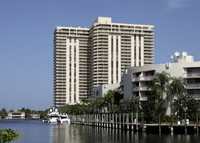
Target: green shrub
x=8, y=135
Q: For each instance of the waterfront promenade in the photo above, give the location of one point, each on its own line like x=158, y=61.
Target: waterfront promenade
x=127, y=122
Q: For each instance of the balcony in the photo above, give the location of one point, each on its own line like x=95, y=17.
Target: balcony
x=143, y=98
x=195, y=96
x=142, y=78
x=139, y=88
x=193, y=86
x=191, y=75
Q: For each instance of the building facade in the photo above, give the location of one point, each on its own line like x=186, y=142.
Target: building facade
x=101, y=90
x=35, y=116
x=16, y=115
x=85, y=58
x=135, y=80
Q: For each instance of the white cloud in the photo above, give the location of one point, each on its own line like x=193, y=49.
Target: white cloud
x=172, y=4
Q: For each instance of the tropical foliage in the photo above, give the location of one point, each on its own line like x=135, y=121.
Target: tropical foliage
x=108, y=103
x=3, y=113
x=165, y=94
x=8, y=135
x=186, y=104
x=28, y=112
x=154, y=107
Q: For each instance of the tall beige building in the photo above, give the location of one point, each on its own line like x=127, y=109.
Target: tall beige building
x=86, y=58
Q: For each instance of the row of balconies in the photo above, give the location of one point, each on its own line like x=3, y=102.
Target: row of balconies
x=149, y=42
x=60, y=37
x=59, y=65
x=148, y=46
x=57, y=54
x=62, y=84
x=60, y=68
x=61, y=93
x=191, y=75
x=60, y=61
x=60, y=80
x=125, y=49
x=126, y=44
x=148, y=52
x=60, y=72
x=61, y=50
x=126, y=29
x=148, y=62
x=193, y=85
x=123, y=53
x=59, y=86
x=129, y=26
x=64, y=77
x=59, y=75
x=60, y=56
x=148, y=58
x=145, y=88
x=60, y=90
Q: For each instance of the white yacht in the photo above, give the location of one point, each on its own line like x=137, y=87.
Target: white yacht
x=63, y=118
x=52, y=115
x=44, y=120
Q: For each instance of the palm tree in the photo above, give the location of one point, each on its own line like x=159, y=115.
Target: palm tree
x=109, y=100
x=126, y=104
x=176, y=88
x=158, y=92
x=160, y=83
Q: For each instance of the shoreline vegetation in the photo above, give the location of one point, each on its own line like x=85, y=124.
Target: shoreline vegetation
x=153, y=110
x=182, y=108
x=28, y=112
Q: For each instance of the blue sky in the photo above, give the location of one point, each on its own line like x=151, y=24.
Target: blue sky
x=26, y=38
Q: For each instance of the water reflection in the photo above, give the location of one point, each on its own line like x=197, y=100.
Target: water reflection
x=86, y=134
x=38, y=132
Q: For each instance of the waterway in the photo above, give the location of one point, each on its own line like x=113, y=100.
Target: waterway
x=37, y=132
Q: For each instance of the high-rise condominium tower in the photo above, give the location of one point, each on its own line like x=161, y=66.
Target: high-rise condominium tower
x=86, y=58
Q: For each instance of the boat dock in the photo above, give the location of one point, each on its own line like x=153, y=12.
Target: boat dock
x=124, y=122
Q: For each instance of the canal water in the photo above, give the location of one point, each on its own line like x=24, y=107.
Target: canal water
x=37, y=132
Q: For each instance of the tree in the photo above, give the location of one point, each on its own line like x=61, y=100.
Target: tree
x=109, y=100
x=186, y=104
x=117, y=96
x=126, y=103
x=3, y=113
x=154, y=106
x=130, y=104
x=177, y=87
x=43, y=113
x=160, y=83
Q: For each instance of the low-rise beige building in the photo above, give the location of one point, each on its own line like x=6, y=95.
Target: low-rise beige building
x=35, y=116
x=135, y=80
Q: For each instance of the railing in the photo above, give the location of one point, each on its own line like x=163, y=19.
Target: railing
x=193, y=85
x=142, y=78
x=139, y=88
x=188, y=75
